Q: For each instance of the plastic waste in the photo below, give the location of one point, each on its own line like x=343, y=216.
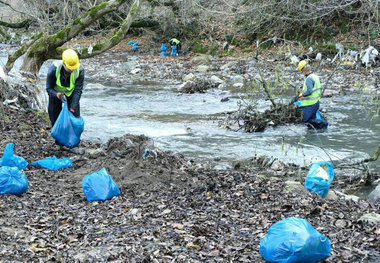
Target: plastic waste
x=89, y=50
x=2, y=73
x=12, y=181
x=135, y=46
x=68, y=128
x=318, y=181
x=99, y=186
x=297, y=104
x=163, y=47
x=53, y=163
x=164, y=54
x=9, y=159
x=369, y=55
x=130, y=43
x=294, y=240
x=145, y=153
x=174, y=51
x=319, y=116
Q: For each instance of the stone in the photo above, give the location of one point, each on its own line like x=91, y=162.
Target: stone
x=331, y=195
x=295, y=187
x=277, y=165
x=202, y=68
x=375, y=194
x=188, y=77
x=370, y=218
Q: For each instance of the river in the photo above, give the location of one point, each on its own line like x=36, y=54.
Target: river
x=185, y=123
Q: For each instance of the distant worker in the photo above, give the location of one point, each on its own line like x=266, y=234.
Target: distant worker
x=308, y=99
x=64, y=82
x=175, y=42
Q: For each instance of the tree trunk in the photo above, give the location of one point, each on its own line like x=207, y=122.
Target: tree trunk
x=32, y=64
x=42, y=48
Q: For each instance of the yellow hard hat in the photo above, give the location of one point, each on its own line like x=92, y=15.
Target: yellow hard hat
x=301, y=65
x=70, y=58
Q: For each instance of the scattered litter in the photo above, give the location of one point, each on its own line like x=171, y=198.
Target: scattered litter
x=99, y=186
x=68, y=128
x=89, y=50
x=145, y=153
x=53, y=163
x=2, y=73
x=318, y=180
x=12, y=181
x=9, y=159
x=294, y=240
x=369, y=55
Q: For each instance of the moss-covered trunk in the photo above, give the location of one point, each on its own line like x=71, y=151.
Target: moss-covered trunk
x=32, y=63
x=43, y=47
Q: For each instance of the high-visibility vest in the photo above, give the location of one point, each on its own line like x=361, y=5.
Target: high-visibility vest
x=176, y=41
x=315, y=96
x=73, y=77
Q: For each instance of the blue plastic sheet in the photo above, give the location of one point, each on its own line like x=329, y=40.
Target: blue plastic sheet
x=12, y=181
x=9, y=159
x=315, y=183
x=68, y=128
x=164, y=54
x=130, y=43
x=99, y=186
x=294, y=240
x=135, y=46
x=53, y=163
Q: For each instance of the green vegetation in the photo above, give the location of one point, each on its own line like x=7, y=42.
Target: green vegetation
x=199, y=47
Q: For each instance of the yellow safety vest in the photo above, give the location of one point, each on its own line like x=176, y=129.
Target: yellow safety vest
x=315, y=96
x=73, y=77
x=176, y=41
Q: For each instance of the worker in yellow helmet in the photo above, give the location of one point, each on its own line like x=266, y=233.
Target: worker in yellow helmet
x=308, y=99
x=64, y=82
x=176, y=46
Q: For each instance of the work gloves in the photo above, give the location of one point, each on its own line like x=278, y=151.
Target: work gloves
x=297, y=104
x=63, y=98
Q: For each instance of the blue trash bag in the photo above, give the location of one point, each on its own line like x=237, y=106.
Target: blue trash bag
x=163, y=47
x=164, y=54
x=318, y=180
x=174, y=51
x=68, y=128
x=135, y=46
x=53, y=163
x=130, y=43
x=9, y=159
x=99, y=186
x=294, y=240
x=12, y=181
x=319, y=116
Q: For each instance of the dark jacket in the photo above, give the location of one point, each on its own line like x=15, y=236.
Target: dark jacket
x=65, y=81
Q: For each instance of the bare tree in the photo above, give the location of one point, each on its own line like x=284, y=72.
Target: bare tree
x=46, y=45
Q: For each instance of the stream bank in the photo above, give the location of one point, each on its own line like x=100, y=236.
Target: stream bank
x=168, y=210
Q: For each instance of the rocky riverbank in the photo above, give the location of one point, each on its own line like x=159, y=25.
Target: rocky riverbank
x=168, y=210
